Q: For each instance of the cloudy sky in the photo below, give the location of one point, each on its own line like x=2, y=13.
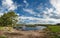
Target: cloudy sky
x=33, y=11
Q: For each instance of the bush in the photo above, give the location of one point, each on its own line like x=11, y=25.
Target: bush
x=2, y=36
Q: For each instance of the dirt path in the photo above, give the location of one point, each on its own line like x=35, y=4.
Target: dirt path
x=26, y=34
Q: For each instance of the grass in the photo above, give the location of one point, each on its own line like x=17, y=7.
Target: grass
x=6, y=28
x=1, y=28
x=54, y=28
x=2, y=36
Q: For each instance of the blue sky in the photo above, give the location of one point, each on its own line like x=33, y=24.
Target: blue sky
x=33, y=11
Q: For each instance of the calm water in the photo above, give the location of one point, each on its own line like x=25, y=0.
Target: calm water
x=33, y=28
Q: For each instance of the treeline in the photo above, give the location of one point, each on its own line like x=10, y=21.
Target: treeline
x=8, y=19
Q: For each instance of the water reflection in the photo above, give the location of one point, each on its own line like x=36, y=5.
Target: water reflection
x=33, y=28
x=30, y=28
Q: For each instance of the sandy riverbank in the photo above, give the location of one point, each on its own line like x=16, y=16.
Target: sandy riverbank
x=25, y=34
x=9, y=32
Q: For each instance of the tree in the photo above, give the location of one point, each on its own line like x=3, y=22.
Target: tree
x=8, y=19
x=12, y=16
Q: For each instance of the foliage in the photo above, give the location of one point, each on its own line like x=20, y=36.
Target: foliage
x=54, y=31
x=2, y=36
x=1, y=28
x=54, y=28
x=8, y=18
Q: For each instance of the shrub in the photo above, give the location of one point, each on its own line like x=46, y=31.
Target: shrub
x=2, y=36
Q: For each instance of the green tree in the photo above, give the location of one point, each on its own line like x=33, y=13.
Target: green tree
x=12, y=16
x=8, y=19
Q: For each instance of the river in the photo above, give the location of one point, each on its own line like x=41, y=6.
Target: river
x=31, y=28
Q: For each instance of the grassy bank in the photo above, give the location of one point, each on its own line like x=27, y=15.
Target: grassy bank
x=54, y=28
x=1, y=28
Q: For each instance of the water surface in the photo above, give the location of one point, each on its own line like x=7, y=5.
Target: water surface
x=33, y=28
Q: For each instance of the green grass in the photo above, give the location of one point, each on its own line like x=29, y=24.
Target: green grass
x=5, y=28
x=1, y=28
x=2, y=36
x=54, y=28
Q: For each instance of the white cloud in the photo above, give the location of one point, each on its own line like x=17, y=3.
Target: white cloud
x=26, y=3
x=40, y=6
x=48, y=13
x=56, y=4
x=46, y=17
x=38, y=20
x=29, y=11
x=9, y=4
x=1, y=14
x=18, y=14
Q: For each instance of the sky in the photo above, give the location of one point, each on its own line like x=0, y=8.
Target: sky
x=33, y=11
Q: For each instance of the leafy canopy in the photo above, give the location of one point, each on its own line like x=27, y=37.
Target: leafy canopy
x=8, y=19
